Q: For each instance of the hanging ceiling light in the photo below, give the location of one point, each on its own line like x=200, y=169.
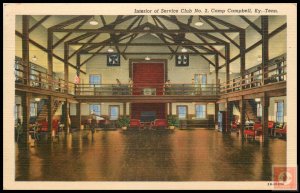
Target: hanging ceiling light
x=34, y=58
x=184, y=50
x=147, y=58
x=199, y=22
x=259, y=58
x=110, y=49
x=37, y=99
x=94, y=21
x=257, y=100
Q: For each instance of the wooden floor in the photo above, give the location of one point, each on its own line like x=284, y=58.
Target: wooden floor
x=180, y=155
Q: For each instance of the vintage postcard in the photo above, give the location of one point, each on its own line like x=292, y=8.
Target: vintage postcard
x=150, y=96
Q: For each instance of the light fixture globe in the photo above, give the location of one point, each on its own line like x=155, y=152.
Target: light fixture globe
x=257, y=100
x=110, y=50
x=93, y=21
x=34, y=58
x=147, y=58
x=184, y=50
x=199, y=23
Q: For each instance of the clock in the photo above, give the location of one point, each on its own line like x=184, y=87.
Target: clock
x=182, y=60
x=113, y=60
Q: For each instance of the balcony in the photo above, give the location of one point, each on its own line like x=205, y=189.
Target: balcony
x=146, y=90
x=274, y=73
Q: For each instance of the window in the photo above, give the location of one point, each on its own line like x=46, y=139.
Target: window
x=33, y=109
x=201, y=111
x=96, y=109
x=114, y=112
x=259, y=110
x=200, y=79
x=182, y=112
x=95, y=79
x=113, y=60
x=279, y=111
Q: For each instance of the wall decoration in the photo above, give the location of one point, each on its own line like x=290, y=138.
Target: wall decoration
x=113, y=59
x=182, y=60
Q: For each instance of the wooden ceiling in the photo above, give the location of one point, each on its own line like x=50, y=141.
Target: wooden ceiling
x=172, y=32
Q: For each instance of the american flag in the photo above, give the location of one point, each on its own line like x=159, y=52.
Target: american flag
x=77, y=80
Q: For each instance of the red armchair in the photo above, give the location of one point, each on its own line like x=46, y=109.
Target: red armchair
x=135, y=123
x=281, y=131
x=44, y=125
x=159, y=123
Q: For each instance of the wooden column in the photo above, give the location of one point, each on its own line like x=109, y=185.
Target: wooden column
x=265, y=117
x=124, y=109
x=242, y=104
x=50, y=112
x=66, y=66
x=227, y=62
x=78, y=114
x=170, y=108
x=265, y=46
x=50, y=57
x=217, y=68
x=25, y=47
x=216, y=112
x=227, y=116
x=26, y=113
x=243, y=54
x=66, y=112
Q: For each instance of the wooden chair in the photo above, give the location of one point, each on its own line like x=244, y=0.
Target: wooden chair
x=135, y=123
x=159, y=123
x=281, y=131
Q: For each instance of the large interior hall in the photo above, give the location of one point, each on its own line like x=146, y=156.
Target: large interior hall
x=150, y=97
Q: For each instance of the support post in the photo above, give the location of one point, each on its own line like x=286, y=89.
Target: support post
x=67, y=116
x=50, y=58
x=66, y=67
x=26, y=113
x=216, y=112
x=227, y=64
x=25, y=48
x=242, y=104
x=170, y=108
x=243, y=54
x=265, y=47
x=50, y=113
x=265, y=115
x=78, y=114
x=124, y=109
x=217, y=68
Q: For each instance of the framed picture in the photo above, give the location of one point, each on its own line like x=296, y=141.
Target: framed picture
x=182, y=60
x=113, y=59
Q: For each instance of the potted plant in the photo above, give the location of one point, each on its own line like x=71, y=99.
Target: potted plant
x=123, y=122
x=173, y=121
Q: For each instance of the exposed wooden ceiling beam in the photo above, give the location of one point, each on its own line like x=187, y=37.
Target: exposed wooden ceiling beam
x=69, y=22
x=46, y=50
x=149, y=53
x=88, y=59
x=253, y=25
x=39, y=23
x=169, y=31
x=67, y=35
x=224, y=23
x=224, y=34
x=150, y=44
x=208, y=60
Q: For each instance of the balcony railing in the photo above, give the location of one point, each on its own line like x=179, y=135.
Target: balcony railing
x=41, y=80
x=147, y=89
x=276, y=72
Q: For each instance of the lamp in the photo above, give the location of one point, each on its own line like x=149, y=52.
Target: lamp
x=94, y=21
x=259, y=58
x=147, y=58
x=183, y=50
x=37, y=99
x=34, y=58
x=199, y=22
x=110, y=49
x=257, y=100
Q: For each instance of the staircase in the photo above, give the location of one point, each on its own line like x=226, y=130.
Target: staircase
x=250, y=109
x=43, y=112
